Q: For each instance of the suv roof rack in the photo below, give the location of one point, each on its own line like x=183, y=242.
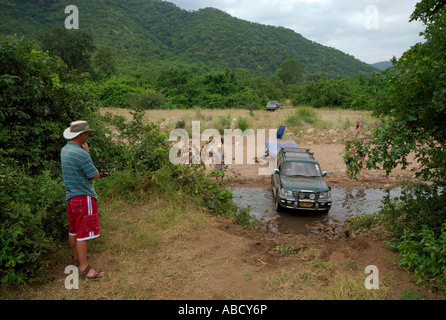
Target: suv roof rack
x=298, y=151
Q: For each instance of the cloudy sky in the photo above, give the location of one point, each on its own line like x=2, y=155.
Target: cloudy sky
x=370, y=30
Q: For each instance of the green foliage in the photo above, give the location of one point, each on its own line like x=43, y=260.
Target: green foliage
x=290, y=72
x=74, y=47
x=364, y=221
x=184, y=88
x=37, y=103
x=222, y=123
x=143, y=147
x=104, y=62
x=347, y=93
x=33, y=221
x=39, y=99
x=114, y=91
x=146, y=99
x=332, y=93
x=302, y=115
x=412, y=109
x=242, y=123
x=425, y=253
x=180, y=124
x=413, y=102
x=418, y=205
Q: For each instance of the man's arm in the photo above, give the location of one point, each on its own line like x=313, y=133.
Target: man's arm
x=86, y=148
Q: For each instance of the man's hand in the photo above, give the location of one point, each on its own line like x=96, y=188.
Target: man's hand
x=85, y=147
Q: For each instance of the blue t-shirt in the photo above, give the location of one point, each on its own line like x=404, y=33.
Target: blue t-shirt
x=77, y=171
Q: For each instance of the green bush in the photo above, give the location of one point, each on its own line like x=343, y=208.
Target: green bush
x=425, y=254
x=242, y=123
x=33, y=222
x=416, y=221
x=193, y=183
x=115, y=91
x=39, y=98
x=146, y=99
x=302, y=115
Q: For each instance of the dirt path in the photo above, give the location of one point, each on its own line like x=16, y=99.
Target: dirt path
x=226, y=262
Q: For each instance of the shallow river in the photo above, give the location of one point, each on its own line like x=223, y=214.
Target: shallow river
x=346, y=203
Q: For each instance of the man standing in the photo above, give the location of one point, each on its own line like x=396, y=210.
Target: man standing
x=78, y=173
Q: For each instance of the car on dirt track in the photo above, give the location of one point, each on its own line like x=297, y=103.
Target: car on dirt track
x=298, y=183
x=273, y=105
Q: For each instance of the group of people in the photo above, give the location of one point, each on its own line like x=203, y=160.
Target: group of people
x=352, y=150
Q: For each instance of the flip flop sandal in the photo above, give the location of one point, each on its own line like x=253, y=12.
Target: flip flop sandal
x=83, y=274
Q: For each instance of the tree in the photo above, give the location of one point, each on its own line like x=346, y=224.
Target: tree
x=413, y=111
x=290, y=72
x=414, y=102
x=104, y=62
x=36, y=104
x=75, y=47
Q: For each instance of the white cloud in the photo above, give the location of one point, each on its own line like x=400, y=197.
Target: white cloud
x=341, y=24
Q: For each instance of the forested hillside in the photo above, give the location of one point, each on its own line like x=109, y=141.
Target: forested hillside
x=382, y=65
x=150, y=35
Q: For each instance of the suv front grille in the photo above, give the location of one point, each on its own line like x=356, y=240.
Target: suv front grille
x=305, y=195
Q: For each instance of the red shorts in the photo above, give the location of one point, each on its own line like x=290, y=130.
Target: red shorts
x=83, y=218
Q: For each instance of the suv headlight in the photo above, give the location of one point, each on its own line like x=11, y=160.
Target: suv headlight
x=324, y=195
x=287, y=193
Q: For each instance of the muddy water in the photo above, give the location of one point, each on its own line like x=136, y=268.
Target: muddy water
x=347, y=202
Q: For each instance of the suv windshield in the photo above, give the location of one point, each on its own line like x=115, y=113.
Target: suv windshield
x=303, y=169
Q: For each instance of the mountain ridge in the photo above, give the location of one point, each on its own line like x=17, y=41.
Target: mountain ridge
x=150, y=35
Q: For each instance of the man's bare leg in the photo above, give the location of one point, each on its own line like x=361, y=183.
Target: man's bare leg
x=81, y=248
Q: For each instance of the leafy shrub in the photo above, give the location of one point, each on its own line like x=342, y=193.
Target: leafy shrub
x=146, y=99
x=146, y=149
x=180, y=124
x=307, y=114
x=115, y=91
x=33, y=220
x=425, y=253
x=242, y=123
x=302, y=115
x=36, y=88
x=417, y=206
x=193, y=183
x=222, y=123
x=416, y=223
